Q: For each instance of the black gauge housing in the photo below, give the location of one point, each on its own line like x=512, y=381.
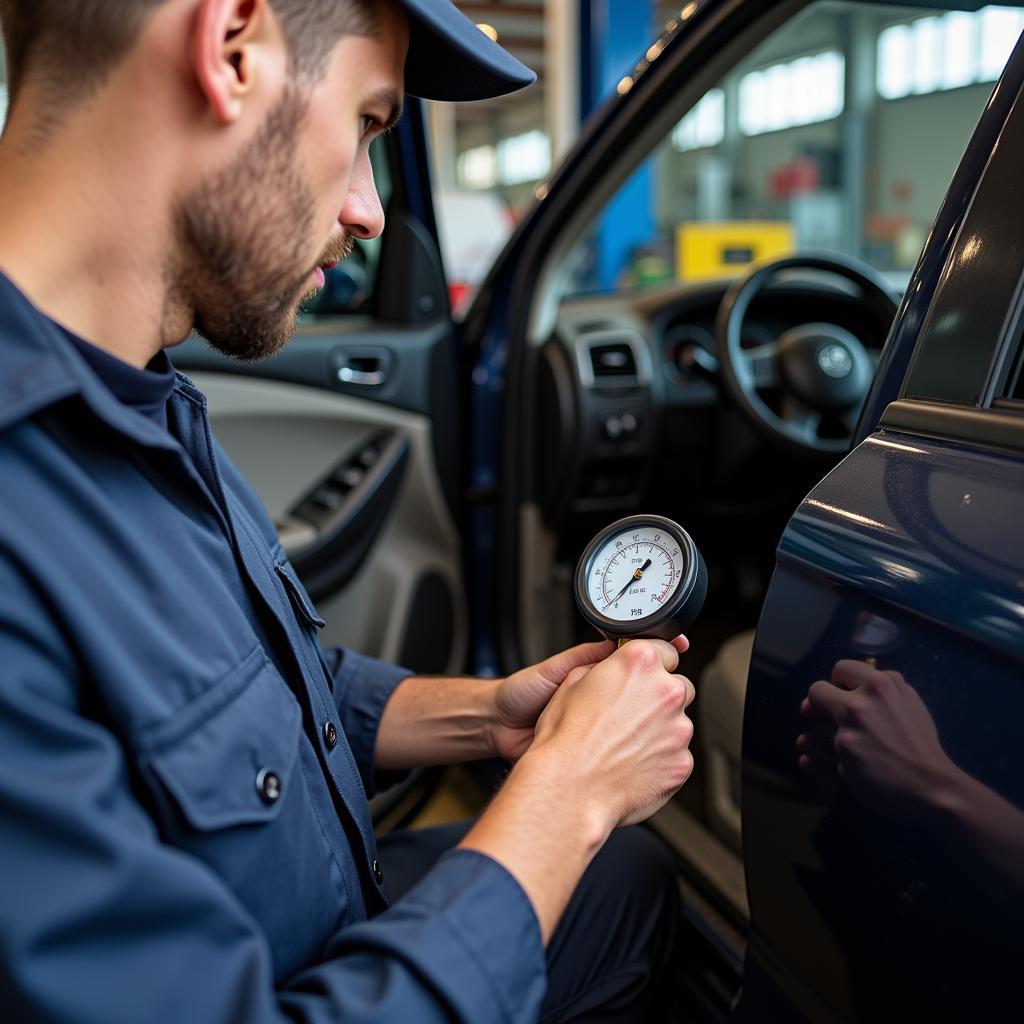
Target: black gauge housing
x=677, y=613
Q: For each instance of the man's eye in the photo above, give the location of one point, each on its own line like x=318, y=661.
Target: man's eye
x=368, y=123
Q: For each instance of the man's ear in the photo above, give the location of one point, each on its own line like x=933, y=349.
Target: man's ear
x=227, y=49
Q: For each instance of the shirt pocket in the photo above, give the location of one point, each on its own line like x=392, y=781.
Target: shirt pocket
x=227, y=780
x=227, y=758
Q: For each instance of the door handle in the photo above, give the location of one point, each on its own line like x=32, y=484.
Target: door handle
x=367, y=378
x=368, y=369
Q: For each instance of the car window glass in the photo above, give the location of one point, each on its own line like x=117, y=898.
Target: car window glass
x=839, y=132
x=349, y=286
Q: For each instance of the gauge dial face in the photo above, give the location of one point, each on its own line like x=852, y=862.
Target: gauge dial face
x=635, y=572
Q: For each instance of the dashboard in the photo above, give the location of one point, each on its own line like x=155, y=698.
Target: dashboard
x=632, y=413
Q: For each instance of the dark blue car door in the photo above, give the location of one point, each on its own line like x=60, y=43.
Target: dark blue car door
x=881, y=889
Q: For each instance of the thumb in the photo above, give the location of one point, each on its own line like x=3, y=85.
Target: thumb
x=681, y=643
x=582, y=656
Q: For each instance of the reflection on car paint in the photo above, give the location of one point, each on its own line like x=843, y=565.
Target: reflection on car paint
x=911, y=554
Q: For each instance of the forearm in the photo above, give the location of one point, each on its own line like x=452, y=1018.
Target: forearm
x=435, y=720
x=982, y=828
x=544, y=831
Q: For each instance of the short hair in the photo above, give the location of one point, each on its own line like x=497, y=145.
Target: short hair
x=82, y=41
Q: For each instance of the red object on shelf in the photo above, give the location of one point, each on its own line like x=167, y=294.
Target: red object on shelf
x=799, y=175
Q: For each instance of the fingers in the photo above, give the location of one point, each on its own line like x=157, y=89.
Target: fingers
x=691, y=692
x=561, y=666
x=824, y=700
x=588, y=654
x=816, y=753
x=649, y=655
x=821, y=745
x=851, y=674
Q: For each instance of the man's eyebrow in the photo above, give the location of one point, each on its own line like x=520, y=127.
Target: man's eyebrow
x=388, y=97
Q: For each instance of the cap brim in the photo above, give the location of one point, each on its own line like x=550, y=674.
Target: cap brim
x=451, y=59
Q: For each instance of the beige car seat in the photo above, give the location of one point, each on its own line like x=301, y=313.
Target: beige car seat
x=723, y=689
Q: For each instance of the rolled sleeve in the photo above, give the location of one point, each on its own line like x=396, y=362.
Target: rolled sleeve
x=362, y=688
x=469, y=930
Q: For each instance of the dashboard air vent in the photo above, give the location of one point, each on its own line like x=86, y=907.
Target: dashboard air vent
x=613, y=361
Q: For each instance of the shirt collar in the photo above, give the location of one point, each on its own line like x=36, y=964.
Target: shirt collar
x=39, y=366
x=144, y=390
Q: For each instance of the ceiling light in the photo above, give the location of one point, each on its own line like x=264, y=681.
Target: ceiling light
x=488, y=30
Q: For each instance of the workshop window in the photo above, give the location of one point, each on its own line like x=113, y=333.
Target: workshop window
x=946, y=52
x=803, y=91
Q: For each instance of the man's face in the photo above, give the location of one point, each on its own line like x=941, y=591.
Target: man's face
x=256, y=235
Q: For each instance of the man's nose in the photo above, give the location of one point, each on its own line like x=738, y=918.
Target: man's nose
x=361, y=214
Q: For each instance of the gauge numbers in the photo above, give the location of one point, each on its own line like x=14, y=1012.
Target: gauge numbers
x=635, y=573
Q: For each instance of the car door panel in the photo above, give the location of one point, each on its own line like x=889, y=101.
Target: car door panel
x=912, y=547
x=871, y=896
x=396, y=365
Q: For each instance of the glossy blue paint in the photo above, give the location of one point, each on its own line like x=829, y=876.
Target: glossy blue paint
x=931, y=526
x=909, y=553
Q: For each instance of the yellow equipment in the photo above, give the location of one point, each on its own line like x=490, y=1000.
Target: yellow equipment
x=706, y=250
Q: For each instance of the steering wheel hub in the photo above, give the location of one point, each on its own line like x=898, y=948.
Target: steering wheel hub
x=825, y=366
x=835, y=361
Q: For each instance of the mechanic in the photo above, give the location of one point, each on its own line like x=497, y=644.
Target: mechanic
x=185, y=832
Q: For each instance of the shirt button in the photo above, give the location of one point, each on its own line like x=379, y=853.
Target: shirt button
x=330, y=735
x=378, y=874
x=268, y=785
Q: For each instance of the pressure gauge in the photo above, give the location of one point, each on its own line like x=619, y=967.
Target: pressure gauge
x=641, y=577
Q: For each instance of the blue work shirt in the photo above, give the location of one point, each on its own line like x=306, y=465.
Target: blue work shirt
x=180, y=839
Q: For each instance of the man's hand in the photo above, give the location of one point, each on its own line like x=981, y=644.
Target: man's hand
x=609, y=748
x=521, y=698
x=874, y=730
x=619, y=731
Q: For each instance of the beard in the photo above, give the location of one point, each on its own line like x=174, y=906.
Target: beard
x=241, y=268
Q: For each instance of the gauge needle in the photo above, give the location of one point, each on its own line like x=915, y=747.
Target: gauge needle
x=638, y=575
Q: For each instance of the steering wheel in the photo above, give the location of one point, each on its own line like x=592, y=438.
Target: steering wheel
x=818, y=373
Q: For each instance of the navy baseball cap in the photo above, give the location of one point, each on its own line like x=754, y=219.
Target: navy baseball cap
x=451, y=59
